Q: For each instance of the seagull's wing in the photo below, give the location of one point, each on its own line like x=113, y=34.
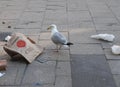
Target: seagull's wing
x=58, y=38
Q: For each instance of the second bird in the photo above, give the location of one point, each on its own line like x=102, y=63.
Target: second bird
x=58, y=38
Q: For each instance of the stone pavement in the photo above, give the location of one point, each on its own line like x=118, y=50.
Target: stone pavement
x=77, y=20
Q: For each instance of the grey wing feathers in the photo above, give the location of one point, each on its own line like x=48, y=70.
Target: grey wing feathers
x=58, y=38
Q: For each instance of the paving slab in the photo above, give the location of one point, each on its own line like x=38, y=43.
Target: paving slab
x=101, y=14
x=74, y=26
x=112, y=3
x=64, y=55
x=105, y=20
x=28, y=31
x=4, y=3
x=35, y=9
x=115, y=10
x=63, y=81
x=78, y=16
x=16, y=6
x=56, y=6
x=63, y=68
x=4, y=27
x=17, y=2
x=38, y=4
x=98, y=8
x=106, y=44
x=40, y=73
x=32, y=16
x=77, y=5
x=56, y=3
x=91, y=69
x=117, y=80
x=13, y=74
x=94, y=2
x=82, y=36
x=86, y=25
x=1, y=8
x=9, y=77
x=48, y=44
x=114, y=66
x=7, y=30
x=109, y=26
x=37, y=1
x=30, y=20
x=110, y=55
x=12, y=15
x=48, y=55
x=55, y=17
x=23, y=24
x=51, y=55
x=86, y=49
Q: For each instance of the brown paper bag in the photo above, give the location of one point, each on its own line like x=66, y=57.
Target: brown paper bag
x=22, y=46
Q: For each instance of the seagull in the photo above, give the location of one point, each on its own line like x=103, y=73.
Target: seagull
x=58, y=38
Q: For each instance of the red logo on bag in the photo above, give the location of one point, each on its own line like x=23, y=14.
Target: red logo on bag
x=21, y=43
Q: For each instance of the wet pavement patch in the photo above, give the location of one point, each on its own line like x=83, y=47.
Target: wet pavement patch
x=90, y=71
x=3, y=35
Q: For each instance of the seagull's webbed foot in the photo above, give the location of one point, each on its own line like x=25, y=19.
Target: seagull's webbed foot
x=58, y=47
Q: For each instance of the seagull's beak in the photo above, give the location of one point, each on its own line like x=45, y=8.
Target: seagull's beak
x=49, y=28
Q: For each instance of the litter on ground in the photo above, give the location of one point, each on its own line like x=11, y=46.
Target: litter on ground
x=106, y=37
x=20, y=46
x=115, y=49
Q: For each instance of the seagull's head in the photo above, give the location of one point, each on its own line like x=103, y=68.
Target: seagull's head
x=52, y=26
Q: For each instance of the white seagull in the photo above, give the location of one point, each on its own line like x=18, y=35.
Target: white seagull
x=57, y=37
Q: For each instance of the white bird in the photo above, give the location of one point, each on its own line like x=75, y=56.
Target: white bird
x=57, y=37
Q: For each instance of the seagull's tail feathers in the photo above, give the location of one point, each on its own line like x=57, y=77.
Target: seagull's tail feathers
x=69, y=43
